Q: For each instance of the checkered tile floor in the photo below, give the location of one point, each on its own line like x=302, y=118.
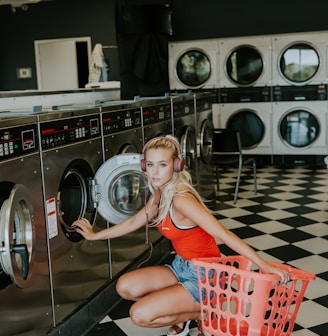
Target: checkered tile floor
x=286, y=221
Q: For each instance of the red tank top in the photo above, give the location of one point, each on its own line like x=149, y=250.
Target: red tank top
x=190, y=242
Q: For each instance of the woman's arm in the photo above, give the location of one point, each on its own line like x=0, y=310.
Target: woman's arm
x=129, y=225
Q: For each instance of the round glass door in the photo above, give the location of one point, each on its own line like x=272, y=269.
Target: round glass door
x=16, y=234
x=188, y=146
x=299, y=63
x=193, y=68
x=74, y=199
x=244, y=65
x=206, y=141
x=250, y=126
x=120, y=187
x=299, y=128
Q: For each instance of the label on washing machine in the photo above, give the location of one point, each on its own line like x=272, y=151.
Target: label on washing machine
x=52, y=218
x=128, y=159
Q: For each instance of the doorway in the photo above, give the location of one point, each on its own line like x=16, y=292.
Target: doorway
x=62, y=64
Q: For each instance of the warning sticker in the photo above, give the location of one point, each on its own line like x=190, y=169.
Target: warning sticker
x=52, y=218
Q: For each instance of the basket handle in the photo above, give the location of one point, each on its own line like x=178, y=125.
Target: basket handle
x=295, y=273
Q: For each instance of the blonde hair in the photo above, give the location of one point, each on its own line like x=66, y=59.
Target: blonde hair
x=178, y=178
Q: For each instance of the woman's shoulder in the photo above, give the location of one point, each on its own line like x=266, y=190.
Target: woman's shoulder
x=184, y=191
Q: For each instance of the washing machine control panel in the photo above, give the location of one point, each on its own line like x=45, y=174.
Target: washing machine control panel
x=60, y=132
x=117, y=121
x=184, y=107
x=300, y=93
x=17, y=141
x=156, y=113
x=204, y=104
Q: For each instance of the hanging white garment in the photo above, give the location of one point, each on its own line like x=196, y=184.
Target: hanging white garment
x=96, y=64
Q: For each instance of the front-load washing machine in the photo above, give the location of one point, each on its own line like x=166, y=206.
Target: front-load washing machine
x=71, y=145
x=123, y=134
x=184, y=129
x=204, y=133
x=193, y=64
x=25, y=291
x=299, y=59
x=300, y=126
x=249, y=110
x=245, y=61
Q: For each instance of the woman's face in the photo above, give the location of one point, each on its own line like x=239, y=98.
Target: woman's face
x=159, y=166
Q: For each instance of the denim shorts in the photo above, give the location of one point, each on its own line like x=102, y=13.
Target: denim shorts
x=186, y=273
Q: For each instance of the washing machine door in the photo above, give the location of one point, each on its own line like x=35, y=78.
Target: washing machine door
x=120, y=187
x=250, y=126
x=16, y=234
x=188, y=146
x=299, y=128
x=205, y=141
x=299, y=63
x=193, y=68
x=244, y=65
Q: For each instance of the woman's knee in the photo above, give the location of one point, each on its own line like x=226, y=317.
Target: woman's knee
x=123, y=287
x=140, y=316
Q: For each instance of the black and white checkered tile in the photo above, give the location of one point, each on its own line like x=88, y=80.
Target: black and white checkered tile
x=286, y=221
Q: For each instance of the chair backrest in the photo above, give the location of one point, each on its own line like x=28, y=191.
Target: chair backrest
x=226, y=140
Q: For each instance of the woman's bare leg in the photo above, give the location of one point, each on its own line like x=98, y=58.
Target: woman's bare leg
x=138, y=283
x=165, y=307
x=161, y=300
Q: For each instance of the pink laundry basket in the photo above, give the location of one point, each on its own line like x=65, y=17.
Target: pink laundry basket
x=237, y=300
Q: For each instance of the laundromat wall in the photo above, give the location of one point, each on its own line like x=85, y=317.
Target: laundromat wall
x=272, y=104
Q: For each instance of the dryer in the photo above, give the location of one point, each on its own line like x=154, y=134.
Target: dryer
x=204, y=132
x=245, y=61
x=71, y=146
x=299, y=59
x=193, y=64
x=25, y=291
x=184, y=129
x=300, y=125
x=249, y=110
x=123, y=142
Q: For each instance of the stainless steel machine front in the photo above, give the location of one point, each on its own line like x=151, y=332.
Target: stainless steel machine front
x=121, y=177
x=25, y=291
x=184, y=128
x=204, y=129
x=71, y=145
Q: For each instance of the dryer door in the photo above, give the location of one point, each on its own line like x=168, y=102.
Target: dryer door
x=193, y=68
x=205, y=141
x=244, y=65
x=16, y=234
x=250, y=126
x=299, y=63
x=120, y=187
x=299, y=128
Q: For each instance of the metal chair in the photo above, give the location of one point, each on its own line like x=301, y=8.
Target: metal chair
x=227, y=152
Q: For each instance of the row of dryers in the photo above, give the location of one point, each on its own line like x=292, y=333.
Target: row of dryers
x=293, y=122
x=277, y=60
x=272, y=88
x=57, y=166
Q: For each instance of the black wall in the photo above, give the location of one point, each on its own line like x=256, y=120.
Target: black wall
x=52, y=20
x=192, y=19
x=197, y=19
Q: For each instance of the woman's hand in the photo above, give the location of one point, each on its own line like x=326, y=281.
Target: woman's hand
x=284, y=275
x=84, y=228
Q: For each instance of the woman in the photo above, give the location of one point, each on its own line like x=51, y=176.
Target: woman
x=168, y=294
